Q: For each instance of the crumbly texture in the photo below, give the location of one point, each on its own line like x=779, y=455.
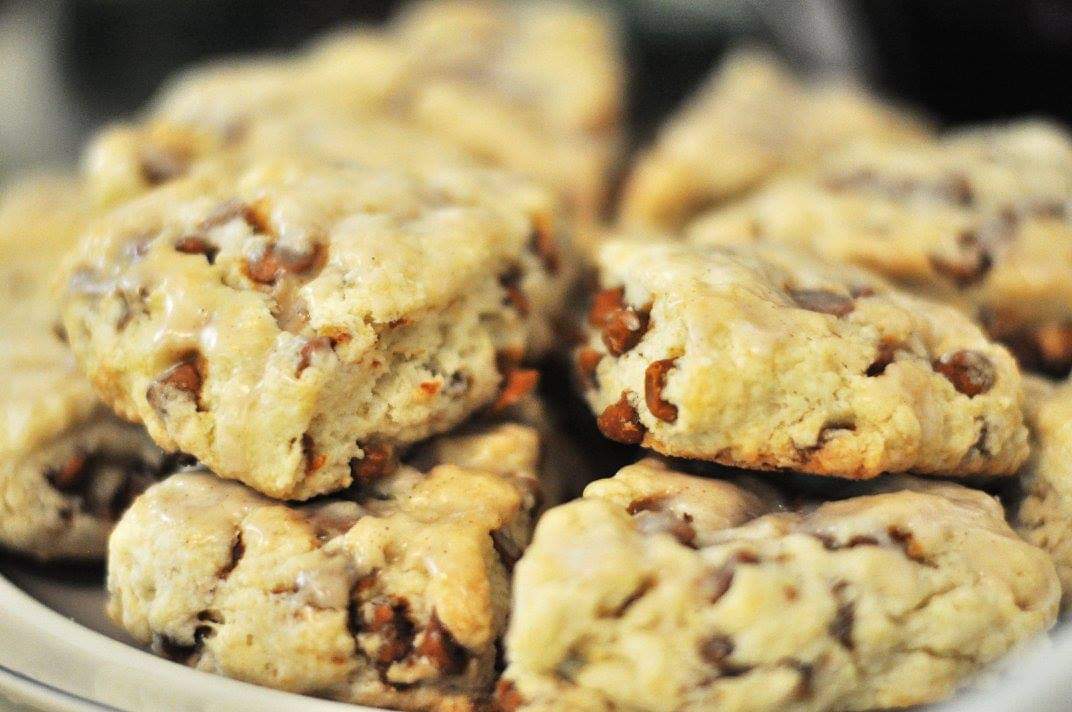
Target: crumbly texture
x=1044, y=515
x=770, y=359
x=735, y=134
x=886, y=600
x=286, y=319
x=978, y=219
x=68, y=467
x=396, y=596
x=535, y=88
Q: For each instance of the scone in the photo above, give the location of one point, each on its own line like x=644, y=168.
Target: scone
x=750, y=121
x=657, y=598
x=222, y=95
x=394, y=596
x=1044, y=516
x=114, y=167
x=977, y=219
x=127, y=159
x=536, y=87
x=771, y=359
x=290, y=321
x=68, y=467
x=530, y=87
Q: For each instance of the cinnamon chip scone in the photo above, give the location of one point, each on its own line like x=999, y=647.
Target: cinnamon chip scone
x=127, y=159
x=771, y=359
x=1044, y=516
x=221, y=96
x=68, y=467
x=396, y=596
x=979, y=219
x=291, y=321
x=535, y=88
x=115, y=169
x=750, y=121
x=886, y=600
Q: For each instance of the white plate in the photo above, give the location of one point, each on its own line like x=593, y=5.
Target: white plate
x=58, y=651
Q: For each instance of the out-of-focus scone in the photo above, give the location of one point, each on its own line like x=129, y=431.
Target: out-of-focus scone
x=886, y=600
x=221, y=96
x=978, y=219
x=290, y=321
x=750, y=121
x=68, y=467
x=128, y=159
x=535, y=88
x=770, y=359
x=396, y=596
x=1044, y=515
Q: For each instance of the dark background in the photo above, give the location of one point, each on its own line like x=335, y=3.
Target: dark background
x=965, y=60
x=961, y=60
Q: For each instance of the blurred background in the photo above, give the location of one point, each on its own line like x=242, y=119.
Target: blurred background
x=69, y=65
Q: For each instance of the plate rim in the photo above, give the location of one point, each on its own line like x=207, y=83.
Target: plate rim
x=43, y=630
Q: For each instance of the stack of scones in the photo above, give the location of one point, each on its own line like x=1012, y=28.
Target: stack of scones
x=274, y=353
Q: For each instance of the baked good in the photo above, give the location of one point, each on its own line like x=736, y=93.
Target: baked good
x=750, y=121
x=770, y=359
x=977, y=219
x=292, y=321
x=1044, y=515
x=535, y=88
x=394, y=595
x=884, y=600
x=128, y=159
x=115, y=168
x=68, y=467
x=221, y=96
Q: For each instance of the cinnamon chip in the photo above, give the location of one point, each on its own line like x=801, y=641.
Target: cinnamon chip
x=160, y=165
x=70, y=475
x=970, y=372
x=823, y=301
x=507, y=697
x=312, y=346
x=883, y=358
x=969, y=267
x=518, y=383
x=911, y=546
x=387, y=616
x=197, y=245
x=1055, y=345
x=379, y=460
x=620, y=422
x=587, y=361
x=515, y=297
x=603, y=303
x=184, y=377
x=438, y=645
x=313, y=460
x=543, y=243
x=652, y=516
x=277, y=261
x=654, y=382
x=622, y=326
